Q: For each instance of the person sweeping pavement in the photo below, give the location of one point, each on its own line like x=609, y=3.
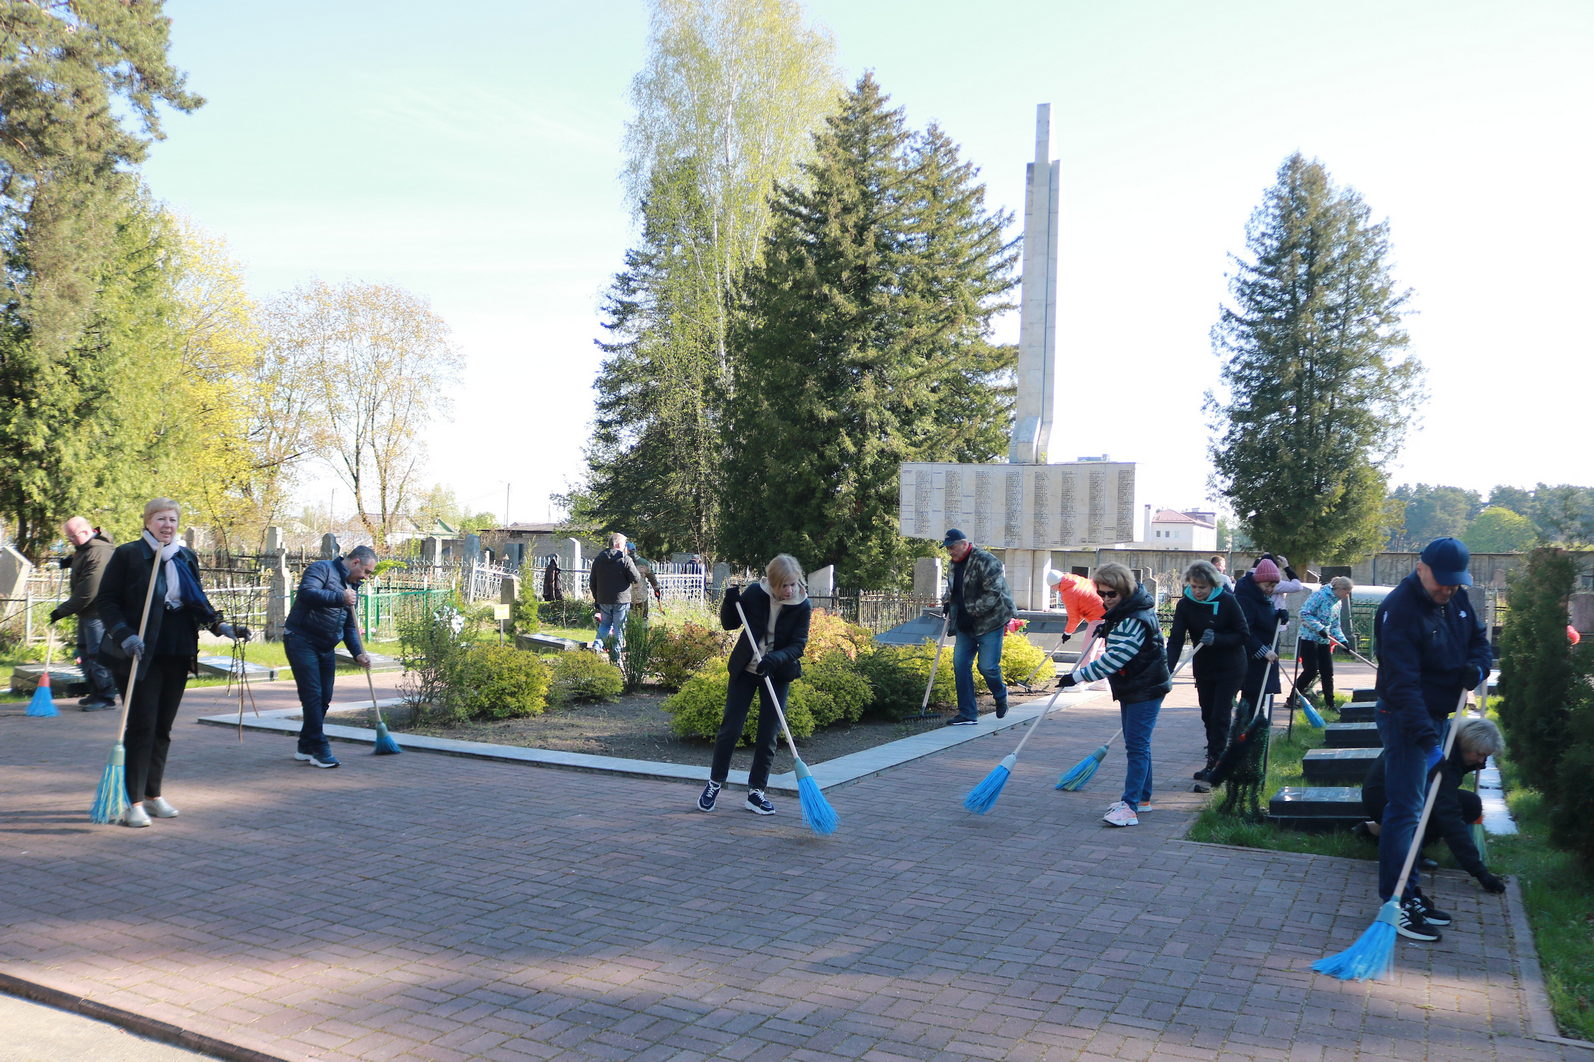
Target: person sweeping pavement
x=1320, y=633
x=980, y=606
x=777, y=611
x=1208, y=613
x=1135, y=665
x=321, y=617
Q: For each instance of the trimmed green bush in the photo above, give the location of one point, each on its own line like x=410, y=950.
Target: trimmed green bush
x=897, y=675
x=1536, y=675
x=580, y=676
x=697, y=708
x=1022, y=662
x=497, y=682
x=840, y=690
x=682, y=651
x=523, y=612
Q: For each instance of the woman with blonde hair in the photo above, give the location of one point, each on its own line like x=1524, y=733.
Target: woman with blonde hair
x=778, y=613
x=1320, y=632
x=164, y=649
x=1211, y=617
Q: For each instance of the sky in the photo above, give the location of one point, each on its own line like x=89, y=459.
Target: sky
x=472, y=155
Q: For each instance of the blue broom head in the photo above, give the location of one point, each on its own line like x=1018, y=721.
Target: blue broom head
x=384, y=745
x=1311, y=713
x=1083, y=771
x=983, y=796
x=1373, y=954
x=817, y=812
x=42, y=706
x=110, y=800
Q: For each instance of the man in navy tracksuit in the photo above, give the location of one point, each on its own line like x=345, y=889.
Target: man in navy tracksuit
x=322, y=616
x=1431, y=647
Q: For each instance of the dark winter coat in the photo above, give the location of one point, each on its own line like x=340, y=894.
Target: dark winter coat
x=611, y=577
x=1427, y=655
x=1224, y=659
x=1454, y=808
x=320, y=614
x=121, y=604
x=88, y=563
x=1262, y=623
x=791, y=631
x=1145, y=675
x=984, y=602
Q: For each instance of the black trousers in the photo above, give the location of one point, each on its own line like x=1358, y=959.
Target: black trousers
x=148, y=736
x=1215, y=693
x=1317, y=661
x=738, y=699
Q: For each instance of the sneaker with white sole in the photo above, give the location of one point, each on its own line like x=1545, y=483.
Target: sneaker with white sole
x=758, y=804
x=1430, y=914
x=1120, y=814
x=158, y=807
x=1413, y=926
x=134, y=816
x=705, y=800
x=1143, y=807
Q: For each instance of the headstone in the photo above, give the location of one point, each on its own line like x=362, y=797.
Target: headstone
x=273, y=540
x=14, y=572
x=822, y=583
x=277, y=601
x=486, y=557
x=431, y=550
x=329, y=546
x=190, y=537
x=927, y=577
x=509, y=589
x=567, y=551
x=722, y=574
x=515, y=554
x=473, y=548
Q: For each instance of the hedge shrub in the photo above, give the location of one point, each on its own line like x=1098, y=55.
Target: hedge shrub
x=839, y=690
x=682, y=651
x=697, y=708
x=580, y=677
x=1022, y=662
x=498, y=682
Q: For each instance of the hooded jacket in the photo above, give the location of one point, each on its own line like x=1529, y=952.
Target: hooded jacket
x=1422, y=649
x=785, y=651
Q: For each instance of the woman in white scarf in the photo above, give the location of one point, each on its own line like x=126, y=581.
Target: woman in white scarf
x=164, y=647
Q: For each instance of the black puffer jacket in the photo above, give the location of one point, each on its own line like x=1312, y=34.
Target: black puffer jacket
x=1225, y=657
x=321, y=615
x=1146, y=676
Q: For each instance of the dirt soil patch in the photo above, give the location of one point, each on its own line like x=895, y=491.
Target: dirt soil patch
x=636, y=727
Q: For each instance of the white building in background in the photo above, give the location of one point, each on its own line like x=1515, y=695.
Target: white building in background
x=1194, y=529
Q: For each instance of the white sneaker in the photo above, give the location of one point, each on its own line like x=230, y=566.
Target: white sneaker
x=134, y=816
x=1120, y=814
x=158, y=807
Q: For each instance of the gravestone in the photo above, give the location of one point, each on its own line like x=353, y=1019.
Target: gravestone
x=822, y=583
x=567, y=551
x=927, y=577
x=14, y=572
x=509, y=590
x=273, y=540
x=473, y=548
x=431, y=551
x=329, y=546
x=277, y=602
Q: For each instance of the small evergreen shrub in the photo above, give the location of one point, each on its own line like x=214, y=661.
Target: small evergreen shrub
x=1021, y=661
x=523, y=612
x=697, y=708
x=582, y=677
x=682, y=651
x=840, y=691
x=641, y=636
x=497, y=682
x=1536, y=674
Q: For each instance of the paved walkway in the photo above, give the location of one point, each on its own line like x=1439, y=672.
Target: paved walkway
x=435, y=907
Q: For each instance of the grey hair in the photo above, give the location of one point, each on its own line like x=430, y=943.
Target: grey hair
x=616, y=540
x=160, y=505
x=1341, y=582
x=1204, y=571
x=1480, y=736
x=363, y=554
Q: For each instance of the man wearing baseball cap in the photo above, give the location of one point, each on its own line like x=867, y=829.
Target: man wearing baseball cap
x=981, y=605
x=1431, y=646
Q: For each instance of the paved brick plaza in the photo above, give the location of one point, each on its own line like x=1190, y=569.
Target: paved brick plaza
x=434, y=907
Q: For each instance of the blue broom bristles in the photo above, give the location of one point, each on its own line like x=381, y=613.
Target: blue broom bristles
x=1311, y=713
x=983, y=796
x=384, y=745
x=110, y=801
x=1372, y=955
x=42, y=706
x=817, y=812
x=1083, y=771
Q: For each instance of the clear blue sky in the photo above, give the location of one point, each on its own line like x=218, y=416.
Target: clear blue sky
x=471, y=154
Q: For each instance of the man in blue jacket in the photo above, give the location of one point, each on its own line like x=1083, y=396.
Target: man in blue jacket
x=1431, y=647
x=322, y=616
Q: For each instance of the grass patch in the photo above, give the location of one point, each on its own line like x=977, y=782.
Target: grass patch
x=1555, y=890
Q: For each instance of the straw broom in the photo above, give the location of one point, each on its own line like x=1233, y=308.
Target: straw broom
x=1373, y=954
x=817, y=812
x=110, y=800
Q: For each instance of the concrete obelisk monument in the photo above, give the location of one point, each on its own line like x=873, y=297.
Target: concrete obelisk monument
x=1027, y=507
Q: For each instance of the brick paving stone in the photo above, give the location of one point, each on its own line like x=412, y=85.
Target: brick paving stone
x=547, y=914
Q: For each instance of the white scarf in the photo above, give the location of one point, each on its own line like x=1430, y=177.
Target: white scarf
x=174, y=586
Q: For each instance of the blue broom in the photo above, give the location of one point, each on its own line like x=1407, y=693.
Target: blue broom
x=1373, y=954
x=384, y=745
x=982, y=798
x=817, y=812
x=1076, y=776
x=110, y=800
x=42, y=705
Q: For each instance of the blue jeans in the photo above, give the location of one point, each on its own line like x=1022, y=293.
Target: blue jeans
x=987, y=648
x=611, y=621
x=1405, y=788
x=313, y=671
x=1139, y=719
x=90, y=632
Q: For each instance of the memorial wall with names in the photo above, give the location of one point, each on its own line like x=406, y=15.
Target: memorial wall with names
x=1038, y=507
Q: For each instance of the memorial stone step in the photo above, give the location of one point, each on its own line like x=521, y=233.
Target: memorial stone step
x=1352, y=736
x=1337, y=766
x=1356, y=712
x=66, y=680
x=224, y=666
x=1316, y=807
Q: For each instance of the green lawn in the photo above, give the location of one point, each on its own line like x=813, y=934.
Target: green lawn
x=1555, y=891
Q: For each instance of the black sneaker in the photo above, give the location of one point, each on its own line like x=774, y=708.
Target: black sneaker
x=92, y=705
x=758, y=804
x=1430, y=914
x=960, y=721
x=711, y=792
x=1001, y=710
x=1412, y=925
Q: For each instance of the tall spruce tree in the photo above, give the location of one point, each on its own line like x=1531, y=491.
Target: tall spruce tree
x=1316, y=390
x=864, y=344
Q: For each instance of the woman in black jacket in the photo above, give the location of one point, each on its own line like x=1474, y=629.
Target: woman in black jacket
x=166, y=653
x=1208, y=613
x=778, y=613
x=1254, y=592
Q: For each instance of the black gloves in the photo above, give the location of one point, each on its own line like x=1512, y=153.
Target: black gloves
x=1289, y=573
x=1065, y=638
x=1469, y=676
x=1491, y=883
x=55, y=615
x=765, y=665
x=733, y=592
x=1283, y=615
x=1066, y=681
x=1209, y=636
